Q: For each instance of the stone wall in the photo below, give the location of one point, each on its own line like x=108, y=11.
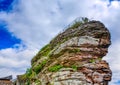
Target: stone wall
x=5, y=82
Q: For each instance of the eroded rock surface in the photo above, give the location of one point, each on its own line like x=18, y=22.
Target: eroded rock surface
x=74, y=57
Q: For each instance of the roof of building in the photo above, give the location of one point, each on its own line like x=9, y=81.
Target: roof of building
x=6, y=78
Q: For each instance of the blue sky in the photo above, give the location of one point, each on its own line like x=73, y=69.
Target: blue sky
x=7, y=39
x=5, y=5
x=27, y=25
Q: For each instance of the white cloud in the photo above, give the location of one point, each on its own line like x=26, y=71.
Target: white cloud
x=113, y=58
x=14, y=61
x=6, y=72
x=35, y=22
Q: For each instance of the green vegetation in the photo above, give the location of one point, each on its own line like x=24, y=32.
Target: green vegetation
x=32, y=75
x=85, y=20
x=28, y=75
x=55, y=68
x=43, y=52
x=75, y=25
x=23, y=77
x=92, y=60
x=45, y=47
x=37, y=82
x=78, y=23
x=74, y=67
x=28, y=72
x=39, y=67
x=28, y=82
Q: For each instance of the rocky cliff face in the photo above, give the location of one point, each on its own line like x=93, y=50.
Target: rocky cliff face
x=74, y=57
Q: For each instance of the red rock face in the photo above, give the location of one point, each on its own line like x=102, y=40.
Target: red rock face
x=80, y=57
x=97, y=72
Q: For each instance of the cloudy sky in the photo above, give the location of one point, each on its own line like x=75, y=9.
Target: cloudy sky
x=27, y=25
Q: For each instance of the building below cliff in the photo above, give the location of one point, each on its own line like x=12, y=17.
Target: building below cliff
x=6, y=80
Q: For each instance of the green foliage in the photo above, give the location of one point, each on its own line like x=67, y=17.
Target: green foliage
x=74, y=67
x=55, y=68
x=32, y=75
x=45, y=47
x=75, y=25
x=92, y=61
x=85, y=19
x=39, y=67
x=23, y=77
x=28, y=72
x=43, y=52
x=37, y=82
x=28, y=82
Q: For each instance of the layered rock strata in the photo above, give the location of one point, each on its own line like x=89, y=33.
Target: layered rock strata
x=74, y=57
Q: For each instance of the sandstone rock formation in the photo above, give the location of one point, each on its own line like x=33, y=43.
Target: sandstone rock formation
x=74, y=57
